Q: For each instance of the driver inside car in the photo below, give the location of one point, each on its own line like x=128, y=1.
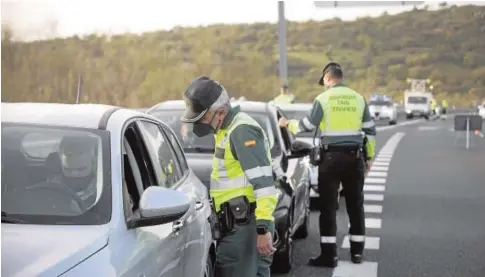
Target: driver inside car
x=78, y=172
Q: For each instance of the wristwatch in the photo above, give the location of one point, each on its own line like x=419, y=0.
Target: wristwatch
x=262, y=229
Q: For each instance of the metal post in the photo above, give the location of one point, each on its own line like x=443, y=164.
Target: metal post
x=467, y=132
x=282, y=43
x=79, y=88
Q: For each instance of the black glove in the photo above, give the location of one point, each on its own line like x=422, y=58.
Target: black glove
x=285, y=185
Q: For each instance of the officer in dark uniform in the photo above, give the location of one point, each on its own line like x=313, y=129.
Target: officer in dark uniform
x=342, y=115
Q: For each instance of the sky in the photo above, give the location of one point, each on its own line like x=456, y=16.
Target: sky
x=38, y=19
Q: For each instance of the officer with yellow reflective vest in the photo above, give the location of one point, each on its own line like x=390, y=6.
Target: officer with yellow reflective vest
x=342, y=115
x=242, y=185
x=433, y=106
x=444, y=106
x=284, y=97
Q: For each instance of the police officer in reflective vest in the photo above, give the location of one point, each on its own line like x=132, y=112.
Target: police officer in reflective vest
x=284, y=97
x=242, y=185
x=342, y=115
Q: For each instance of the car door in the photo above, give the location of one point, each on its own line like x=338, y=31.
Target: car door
x=298, y=173
x=199, y=236
x=160, y=247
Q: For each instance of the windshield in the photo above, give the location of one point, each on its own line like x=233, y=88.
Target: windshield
x=55, y=175
x=380, y=103
x=417, y=100
x=192, y=143
x=298, y=115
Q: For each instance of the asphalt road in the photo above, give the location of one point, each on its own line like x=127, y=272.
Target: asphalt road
x=425, y=202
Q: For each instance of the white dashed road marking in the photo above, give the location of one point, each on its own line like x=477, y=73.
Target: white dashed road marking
x=374, y=189
x=373, y=197
x=377, y=174
x=372, y=208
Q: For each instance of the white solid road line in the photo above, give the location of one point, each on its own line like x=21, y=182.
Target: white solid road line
x=374, y=188
x=372, y=208
x=373, y=197
x=379, y=168
x=379, y=159
x=370, y=243
x=375, y=180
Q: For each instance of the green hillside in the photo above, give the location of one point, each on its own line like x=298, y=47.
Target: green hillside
x=377, y=54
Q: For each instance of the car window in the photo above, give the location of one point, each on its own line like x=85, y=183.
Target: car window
x=162, y=157
x=298, y=115
x=380, y=103
x=56, y=175
x=39, y=145
x=177, y=148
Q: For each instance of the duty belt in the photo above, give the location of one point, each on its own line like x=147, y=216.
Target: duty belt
x=348, y=149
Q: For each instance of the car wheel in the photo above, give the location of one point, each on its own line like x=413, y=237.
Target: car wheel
x=392, y=122
x=282, y=260
x=302, y=231
x=209, y=267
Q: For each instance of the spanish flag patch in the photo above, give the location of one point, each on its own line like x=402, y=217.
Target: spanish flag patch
x=248, y=143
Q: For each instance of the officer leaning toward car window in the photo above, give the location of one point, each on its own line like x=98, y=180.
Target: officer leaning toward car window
x=242, y=185
x=342, y=114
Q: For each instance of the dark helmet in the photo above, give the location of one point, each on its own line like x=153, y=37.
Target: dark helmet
x=201, y=94
x=331, y=66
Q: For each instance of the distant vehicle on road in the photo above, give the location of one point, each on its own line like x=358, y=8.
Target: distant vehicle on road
x=481, y=110
x=417, y=104
x=292, y=211
x=382, y=107
x=95, y=190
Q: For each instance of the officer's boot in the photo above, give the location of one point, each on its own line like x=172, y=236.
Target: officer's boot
x=356, y=250
x=328, y=256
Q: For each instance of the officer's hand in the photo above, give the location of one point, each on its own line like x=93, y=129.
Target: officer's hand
x=265, y=244
x=368, y=164
x=283, y=122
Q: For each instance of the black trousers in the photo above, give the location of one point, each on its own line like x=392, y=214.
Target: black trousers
x=348, y=169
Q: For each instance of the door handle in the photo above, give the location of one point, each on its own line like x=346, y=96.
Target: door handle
x=199, y=205
x=177, y=226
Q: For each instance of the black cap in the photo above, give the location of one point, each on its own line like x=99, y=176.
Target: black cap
x=329, y=67
x=199, y=97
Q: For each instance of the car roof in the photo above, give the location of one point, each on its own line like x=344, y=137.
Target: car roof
x=67, y=115
x=247, y=106
x=295, y=107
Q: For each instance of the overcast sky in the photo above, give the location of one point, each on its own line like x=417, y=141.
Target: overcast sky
x=32, y=19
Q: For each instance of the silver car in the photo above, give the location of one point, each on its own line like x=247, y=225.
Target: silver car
x=95, y=190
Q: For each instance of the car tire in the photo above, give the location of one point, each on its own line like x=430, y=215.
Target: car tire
x=209, y=267
x=302, y=231
x=392, y=122
x=282, y=260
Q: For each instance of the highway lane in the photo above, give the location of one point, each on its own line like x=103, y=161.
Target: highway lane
x=430, y=221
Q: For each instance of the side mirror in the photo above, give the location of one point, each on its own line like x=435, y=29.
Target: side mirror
x=158, y=206
x=300, y=149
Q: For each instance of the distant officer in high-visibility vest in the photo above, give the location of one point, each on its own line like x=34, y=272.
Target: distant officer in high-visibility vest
x=444, y=106
x=433, y=106
x=342, y=115
x=242, y=184
x=284, y=97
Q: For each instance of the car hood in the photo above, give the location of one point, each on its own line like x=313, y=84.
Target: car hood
x=40, y=250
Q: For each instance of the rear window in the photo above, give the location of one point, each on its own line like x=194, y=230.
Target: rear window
x=417, y=100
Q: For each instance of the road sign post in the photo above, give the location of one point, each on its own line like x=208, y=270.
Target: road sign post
x=467, y=123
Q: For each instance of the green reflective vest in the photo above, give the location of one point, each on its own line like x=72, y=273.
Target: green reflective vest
x=228, y=179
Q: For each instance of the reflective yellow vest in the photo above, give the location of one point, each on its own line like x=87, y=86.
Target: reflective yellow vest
x=444, y=103
x=228, y=179
x=343, y=109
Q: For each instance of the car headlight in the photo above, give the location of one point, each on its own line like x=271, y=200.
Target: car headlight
x=408, y=111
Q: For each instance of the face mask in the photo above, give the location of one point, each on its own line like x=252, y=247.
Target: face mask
x=204, y=129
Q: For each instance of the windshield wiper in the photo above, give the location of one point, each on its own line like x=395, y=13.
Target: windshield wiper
x=7, y=219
